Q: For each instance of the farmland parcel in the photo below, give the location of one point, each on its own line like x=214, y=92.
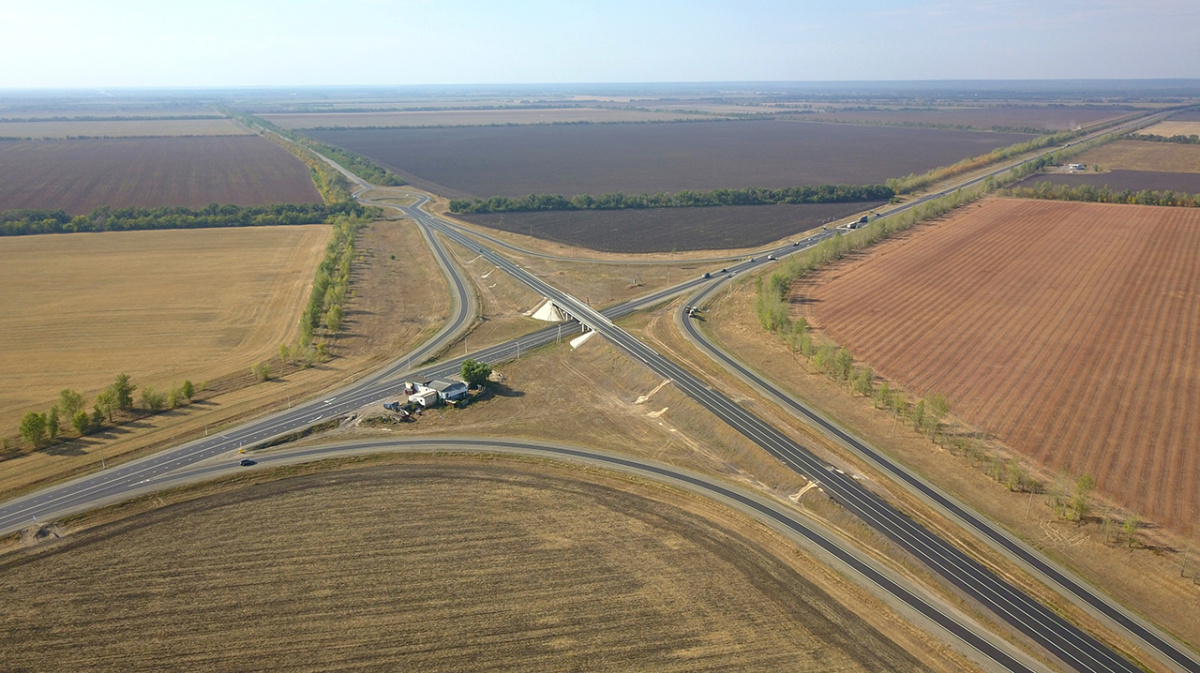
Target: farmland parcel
x=80, y=175
x=161, y=305
x=648, y=158
x=439, y=567
x=1066, y=329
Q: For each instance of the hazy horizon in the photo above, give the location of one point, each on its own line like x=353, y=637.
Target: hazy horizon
x=135, y=44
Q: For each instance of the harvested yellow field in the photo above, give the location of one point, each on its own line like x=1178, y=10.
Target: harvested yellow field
x=443, y=566
x=1140, y=155
x=77, y=309
x=1170, y=128
x=131, y=128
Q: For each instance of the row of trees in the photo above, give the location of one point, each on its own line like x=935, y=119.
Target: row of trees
x=749, y=196
x=40, y=429
x=1093, y=194
x=104, y=218
x=1192, y=139
x=331, y=285
x=911, y=183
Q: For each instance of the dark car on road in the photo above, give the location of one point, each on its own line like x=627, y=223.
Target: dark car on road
x=247, y=462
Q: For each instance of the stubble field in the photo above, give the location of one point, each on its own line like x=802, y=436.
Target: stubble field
x=1066, y=329
x=1173, y=127
x=80, y=175
x=434, y=567
x=161, y=305
x=1119, y=180
x=647, y=158
x=1139, y=155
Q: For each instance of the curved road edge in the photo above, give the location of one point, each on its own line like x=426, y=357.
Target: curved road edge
x=935, y=616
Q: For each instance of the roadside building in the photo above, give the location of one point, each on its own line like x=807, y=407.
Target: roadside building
x=449, y=391
x=426, y=399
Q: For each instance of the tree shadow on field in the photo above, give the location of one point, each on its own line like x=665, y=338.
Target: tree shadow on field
x=74, y=447
x=500, y=390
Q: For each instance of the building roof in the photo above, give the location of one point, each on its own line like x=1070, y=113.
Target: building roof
x=442, y=385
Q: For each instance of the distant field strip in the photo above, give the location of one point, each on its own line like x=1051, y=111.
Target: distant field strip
x=306, y=120
x=1067, y=329
x=1173, y=128
x=1139, y=155
x=122, y=129
x=162, y=305
x=80, y=175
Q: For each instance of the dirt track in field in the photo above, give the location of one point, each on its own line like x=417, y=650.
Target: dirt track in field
x=441, y=566
x=1067, y=329
x=80, y=175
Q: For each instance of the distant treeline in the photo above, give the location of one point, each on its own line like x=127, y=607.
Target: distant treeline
x=1093, y=194
x=750, y=196
x=1155, y=138
x=23, y=222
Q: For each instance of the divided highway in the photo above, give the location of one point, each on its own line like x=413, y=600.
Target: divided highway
x=1074, y=647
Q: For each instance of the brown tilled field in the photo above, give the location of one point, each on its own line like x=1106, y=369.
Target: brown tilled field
x=441, y=566
x=1066, y=329
x=78, y=309
x=133, y=128
x=79, y=175
x=647, y=158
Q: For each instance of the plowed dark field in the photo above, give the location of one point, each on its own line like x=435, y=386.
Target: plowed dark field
x=667, y=229
x=79, y=175
x=637, y=158
x=431, y=568
x=1067, y=329
x=1121, y=180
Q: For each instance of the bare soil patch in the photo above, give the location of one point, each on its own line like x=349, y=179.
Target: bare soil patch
x=133, y=128
x=501, y=117
x=1121, y=180
x=636, y=158
x=1065, y=329
x=441, y=566
x=1139, y=155
x=672, y=229
x=80, y=175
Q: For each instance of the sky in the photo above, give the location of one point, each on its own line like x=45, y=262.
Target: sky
x=224, y=43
